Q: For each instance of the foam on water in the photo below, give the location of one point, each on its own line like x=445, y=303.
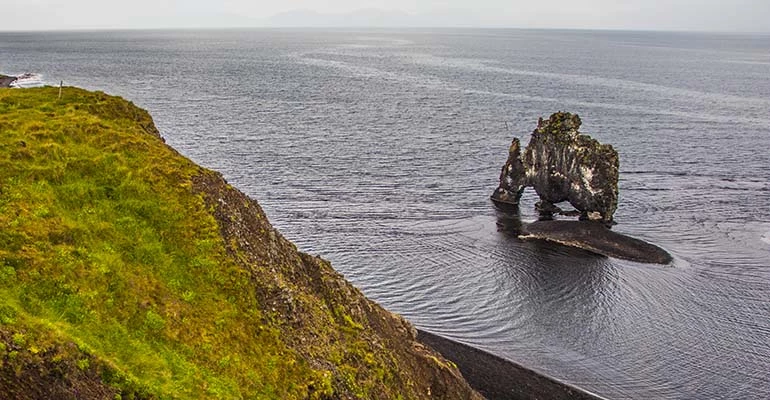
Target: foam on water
x=28, y=80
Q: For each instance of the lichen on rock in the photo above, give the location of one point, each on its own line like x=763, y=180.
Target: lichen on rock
x=562, y=164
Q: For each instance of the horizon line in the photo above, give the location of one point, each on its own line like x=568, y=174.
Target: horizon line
x=388, y=27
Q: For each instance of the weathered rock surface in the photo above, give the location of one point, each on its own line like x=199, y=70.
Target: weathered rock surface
x=6, y=81
x=596, y=238
x=562, y=164
x=513, y=177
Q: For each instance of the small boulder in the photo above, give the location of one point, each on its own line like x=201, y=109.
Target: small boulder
x=6, y=81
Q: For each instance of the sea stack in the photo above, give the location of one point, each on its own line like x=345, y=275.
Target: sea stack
x=562, y=164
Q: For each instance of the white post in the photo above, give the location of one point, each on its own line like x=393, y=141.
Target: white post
x=60, y=86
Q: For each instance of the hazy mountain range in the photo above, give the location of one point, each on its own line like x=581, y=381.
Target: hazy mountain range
x=699, y=15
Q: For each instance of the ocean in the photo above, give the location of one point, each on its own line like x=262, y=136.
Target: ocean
x=378, y=150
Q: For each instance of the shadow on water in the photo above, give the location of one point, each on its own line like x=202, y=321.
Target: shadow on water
x=559, y=300
x=547, y=287
x=509, y=221
x=558, y=288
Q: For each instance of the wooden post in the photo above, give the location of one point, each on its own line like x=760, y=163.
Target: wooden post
x=60, y=86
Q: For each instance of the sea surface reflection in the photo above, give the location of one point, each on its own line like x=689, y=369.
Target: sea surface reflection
x=378, y=149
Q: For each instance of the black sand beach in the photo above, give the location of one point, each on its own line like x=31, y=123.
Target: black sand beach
x=500, y=379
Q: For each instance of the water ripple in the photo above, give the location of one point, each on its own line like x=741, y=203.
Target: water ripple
x=379, y=150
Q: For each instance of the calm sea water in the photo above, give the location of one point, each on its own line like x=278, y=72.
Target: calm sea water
x=378, y=149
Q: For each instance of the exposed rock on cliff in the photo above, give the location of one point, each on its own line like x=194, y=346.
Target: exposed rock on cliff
x=562, y=165
x=127, y=271
x=6, y=81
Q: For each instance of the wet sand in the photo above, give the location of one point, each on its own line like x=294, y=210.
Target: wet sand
x=500, y=379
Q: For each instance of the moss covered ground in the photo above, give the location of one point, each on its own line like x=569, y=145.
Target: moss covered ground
x=127, y=271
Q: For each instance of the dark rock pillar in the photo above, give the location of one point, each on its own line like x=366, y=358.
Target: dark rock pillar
x=562, y=164
x=513, y=178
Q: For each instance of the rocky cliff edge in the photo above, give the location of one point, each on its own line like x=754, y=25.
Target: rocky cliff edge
x=127, y=271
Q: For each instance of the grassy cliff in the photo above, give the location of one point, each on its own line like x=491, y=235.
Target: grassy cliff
x=127, y=271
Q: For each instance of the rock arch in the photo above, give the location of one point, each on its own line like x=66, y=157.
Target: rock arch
x=562, y=164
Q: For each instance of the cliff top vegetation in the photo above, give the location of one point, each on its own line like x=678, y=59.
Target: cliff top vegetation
x=128, y=271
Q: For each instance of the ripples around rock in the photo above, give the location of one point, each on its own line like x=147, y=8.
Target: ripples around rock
x=381, y=158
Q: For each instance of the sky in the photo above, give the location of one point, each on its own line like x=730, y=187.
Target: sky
x=677, y=15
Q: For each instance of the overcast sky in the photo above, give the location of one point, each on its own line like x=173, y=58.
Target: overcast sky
x=700, y=15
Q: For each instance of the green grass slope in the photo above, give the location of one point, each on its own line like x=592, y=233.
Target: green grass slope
x=127, y=271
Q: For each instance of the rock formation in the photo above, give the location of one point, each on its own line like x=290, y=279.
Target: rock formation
x=596, y=238
x=26, y=79
x=562, y=164
x=6, y=81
